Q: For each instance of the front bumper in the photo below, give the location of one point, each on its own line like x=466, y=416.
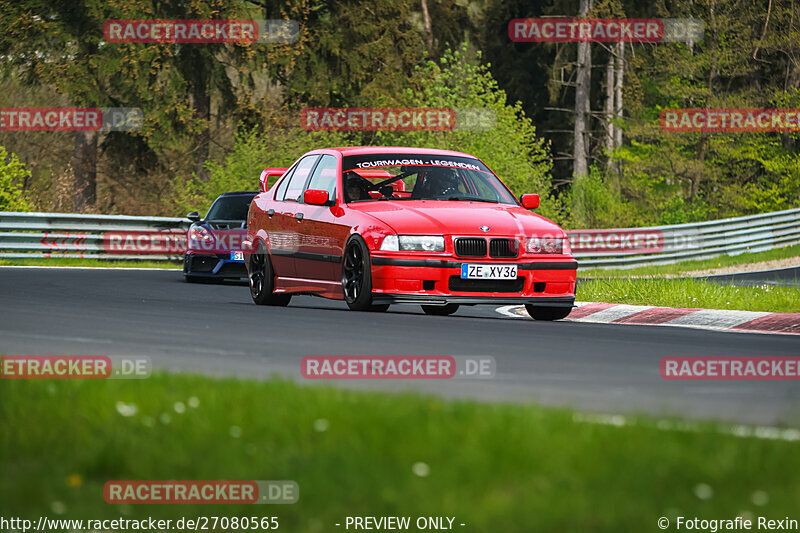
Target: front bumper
x=421, y=299
x=437, y=281
x=213, y=266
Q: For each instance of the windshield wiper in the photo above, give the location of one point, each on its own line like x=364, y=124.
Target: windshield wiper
x=465, y=198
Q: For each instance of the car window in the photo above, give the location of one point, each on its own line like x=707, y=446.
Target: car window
x=373, y=177
x=484, y=189
x=324, y=176
x=284, y=182
x=298, y=180
x=230, y=208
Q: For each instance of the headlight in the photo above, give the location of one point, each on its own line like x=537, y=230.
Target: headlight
x=544, y=245
x=390, y=244
x=198, y=235
x=421, y=243
x=413, y=243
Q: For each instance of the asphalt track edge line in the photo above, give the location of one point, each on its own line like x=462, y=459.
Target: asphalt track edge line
x=709, y=319
x=736, y=430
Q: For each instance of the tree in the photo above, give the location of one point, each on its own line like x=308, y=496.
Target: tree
x=12, y=175
x=580, y=142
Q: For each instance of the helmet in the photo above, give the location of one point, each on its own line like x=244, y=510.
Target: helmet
x=442, y=182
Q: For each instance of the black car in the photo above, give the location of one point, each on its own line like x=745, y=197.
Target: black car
x=214, y=244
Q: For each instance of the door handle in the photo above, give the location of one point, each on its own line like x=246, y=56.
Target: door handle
x=299, y=216
x=270, y=213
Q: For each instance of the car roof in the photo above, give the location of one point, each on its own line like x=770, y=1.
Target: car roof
x=366, y=150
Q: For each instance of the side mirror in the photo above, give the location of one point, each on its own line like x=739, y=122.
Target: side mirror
x=315, y=197
x=530, y=201
x=194, y=216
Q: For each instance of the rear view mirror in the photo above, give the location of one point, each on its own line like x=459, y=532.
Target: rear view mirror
x=194, y=216
x=315, y=197
x=530, y=201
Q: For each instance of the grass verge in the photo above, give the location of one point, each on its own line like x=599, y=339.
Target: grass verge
x=494, y=467
x=690, y=293
x=88, y=262
x=690, y=266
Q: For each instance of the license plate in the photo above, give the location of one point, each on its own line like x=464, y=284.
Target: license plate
x=472, y=271
x=237, y=256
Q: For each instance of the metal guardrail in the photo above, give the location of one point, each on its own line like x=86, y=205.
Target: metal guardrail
x=27, y=235
x=663, y=245
x=32, y=235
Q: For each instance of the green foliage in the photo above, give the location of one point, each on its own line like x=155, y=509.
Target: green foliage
x=604, y=205
x=240, y=171
x=12, y=175
x=510, y=147
x=684, y=177
x=680, y=211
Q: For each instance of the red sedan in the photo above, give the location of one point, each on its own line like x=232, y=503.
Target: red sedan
x=375, y=226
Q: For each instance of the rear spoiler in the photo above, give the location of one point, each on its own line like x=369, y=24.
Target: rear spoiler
x=268, y=173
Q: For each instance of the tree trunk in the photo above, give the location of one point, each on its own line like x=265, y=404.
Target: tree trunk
x=697, y=175
x=619, y=77
x=428, y=28
x=608, y=111
x=580, y=167
x=582, y=97
x=84, y=164
x=202, y=110
x=712, y=71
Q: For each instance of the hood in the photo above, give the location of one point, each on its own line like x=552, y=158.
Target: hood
x=442, y=217
x=224, y=224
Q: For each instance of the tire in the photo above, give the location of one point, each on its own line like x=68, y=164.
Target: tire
x=547, y=313
x=357, y=277
x=440, y=310
x=262, y=280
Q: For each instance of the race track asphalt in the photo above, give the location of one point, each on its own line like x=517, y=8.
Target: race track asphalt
x=217, y=330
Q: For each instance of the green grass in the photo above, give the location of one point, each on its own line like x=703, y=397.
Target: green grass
x=494, y=467
x=689, y=266
x=89, y=262
x=690, y=293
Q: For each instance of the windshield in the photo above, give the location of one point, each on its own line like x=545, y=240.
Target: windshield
x=377, y=177
x=230, y=208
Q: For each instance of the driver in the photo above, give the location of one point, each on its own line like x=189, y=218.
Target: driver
x=439, y=182
x=355, y=188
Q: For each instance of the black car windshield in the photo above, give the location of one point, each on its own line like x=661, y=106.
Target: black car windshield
x=230, y=208
x=377, y=177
